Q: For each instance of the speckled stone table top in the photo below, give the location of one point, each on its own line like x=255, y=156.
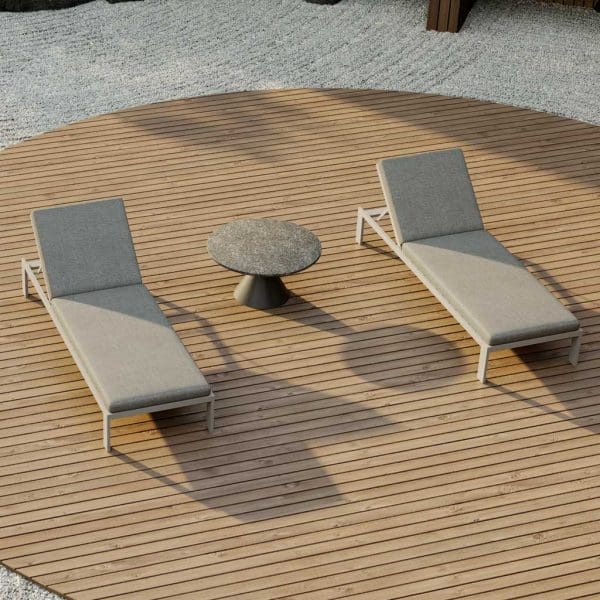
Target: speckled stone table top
x=265, y=247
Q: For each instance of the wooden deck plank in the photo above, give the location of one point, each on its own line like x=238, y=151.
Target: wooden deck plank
x=355, y=454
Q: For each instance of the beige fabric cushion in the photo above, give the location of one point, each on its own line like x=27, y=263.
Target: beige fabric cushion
x=489, y=288
x=130, y=351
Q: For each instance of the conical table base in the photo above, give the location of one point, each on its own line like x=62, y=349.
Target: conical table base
x=261, y=292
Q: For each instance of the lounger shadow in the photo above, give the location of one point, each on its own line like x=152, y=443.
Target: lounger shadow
x=440, y=236
x=127, y=352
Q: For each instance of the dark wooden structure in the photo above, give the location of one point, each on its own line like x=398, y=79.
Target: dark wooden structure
x=449, y=15
x=356, y=456
x=582, y=3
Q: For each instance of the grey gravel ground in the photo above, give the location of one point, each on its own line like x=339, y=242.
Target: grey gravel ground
x=59, y=67
x=15, y=587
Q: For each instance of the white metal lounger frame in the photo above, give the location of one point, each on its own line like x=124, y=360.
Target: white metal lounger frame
x=372, y=216
x=28, y=271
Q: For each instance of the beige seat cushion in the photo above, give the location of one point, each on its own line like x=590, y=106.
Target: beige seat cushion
x=128, y=349
x=500, y=300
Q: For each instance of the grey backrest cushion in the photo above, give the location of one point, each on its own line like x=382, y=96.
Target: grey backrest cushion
x=429, y=195
x=85, y=247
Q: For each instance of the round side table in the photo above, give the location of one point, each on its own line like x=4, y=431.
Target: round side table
x=264, y=251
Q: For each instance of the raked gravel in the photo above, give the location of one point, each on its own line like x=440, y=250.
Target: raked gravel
x=57, y=67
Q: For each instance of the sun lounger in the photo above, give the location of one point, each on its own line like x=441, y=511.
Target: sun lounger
x=129, y=355
x=440, y=236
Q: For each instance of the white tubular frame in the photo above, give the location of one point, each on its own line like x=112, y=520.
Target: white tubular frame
x=371, y=216
x=29, y=268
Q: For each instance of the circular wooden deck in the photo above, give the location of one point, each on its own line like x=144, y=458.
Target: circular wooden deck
x=355, y=455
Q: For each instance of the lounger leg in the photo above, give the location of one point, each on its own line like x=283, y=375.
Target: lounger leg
x=24, y=279
x=483, y=363
x=574, y=351
x=106, y=422
x=360, y=225
x=210, y=416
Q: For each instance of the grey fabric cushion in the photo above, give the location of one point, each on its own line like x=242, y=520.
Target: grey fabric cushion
x=429, y=195
x=488, y=286
x=130, y=352
x=85, y=246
